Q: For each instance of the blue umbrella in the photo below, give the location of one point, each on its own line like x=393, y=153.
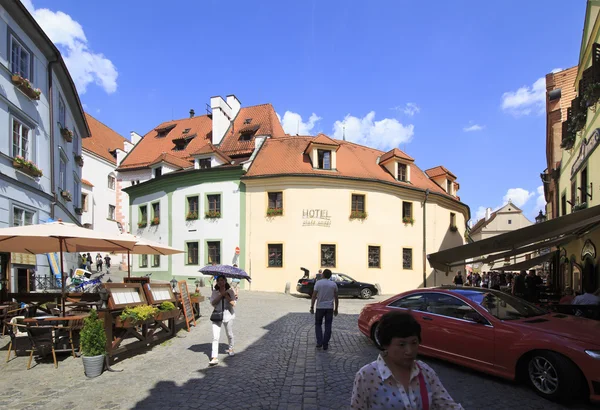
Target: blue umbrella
x=225, y=270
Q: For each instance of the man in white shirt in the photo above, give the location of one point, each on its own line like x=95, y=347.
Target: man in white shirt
x=588, y=298
x=325, y=293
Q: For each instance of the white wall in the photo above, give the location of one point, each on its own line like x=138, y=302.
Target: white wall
x=96, y=170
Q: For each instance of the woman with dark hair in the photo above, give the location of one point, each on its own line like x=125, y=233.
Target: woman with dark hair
x=396, y=379
x=223, y=300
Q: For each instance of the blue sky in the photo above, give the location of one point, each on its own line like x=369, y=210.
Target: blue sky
x=457, y=83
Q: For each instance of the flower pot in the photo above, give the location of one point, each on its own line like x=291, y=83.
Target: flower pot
x=93, y=365
x=67, y=135
x=129, y=323
x=169, y=314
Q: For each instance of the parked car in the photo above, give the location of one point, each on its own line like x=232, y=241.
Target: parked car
x=346, y=285
x=496, y=333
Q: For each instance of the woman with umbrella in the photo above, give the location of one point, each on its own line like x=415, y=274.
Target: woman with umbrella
x=223, y=300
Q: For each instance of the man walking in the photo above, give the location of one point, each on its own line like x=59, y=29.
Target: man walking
x=325, y=293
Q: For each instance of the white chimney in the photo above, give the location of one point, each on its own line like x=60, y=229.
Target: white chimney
x=120, y=156
x=488, y=213
x=134, y=137
x=223, y=115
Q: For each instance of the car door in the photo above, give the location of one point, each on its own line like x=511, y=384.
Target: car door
x=351, y=287
x=416, y=304
x=455, y=335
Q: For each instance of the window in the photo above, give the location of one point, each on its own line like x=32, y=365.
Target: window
x=111, y=182
x=528, y=256
x=448, y=306
x=328, y=256
x=156, y=210
x=84, y=202
x=406, y=210
x=143, y=218
x=358, y=203
x=406, y=258
x=246, y=136
x=563, y=204
x=374, y=256
x=275, y=200
x=155, y=261
x=22, y=217
x=449, y=186
x=157, y=172
x=20, y=59
x=204, y=163
x=584, y=183
x=76, y=191
x=402, y=172
x=111, y=212
x=62, y=174
x=510, y=221
x=275, y=255
x=213, y=252
x=192, y=204
x=192, y=253
x=452, y=219
x=62, y=113
x=214, y=203
x=413, y=302
x=162, y=133
x=573, y=194
x=75, y=143
x=324, y=159
x=143, y=261
x=20, y=139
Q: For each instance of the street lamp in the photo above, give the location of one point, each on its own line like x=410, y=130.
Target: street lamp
x=540, y=218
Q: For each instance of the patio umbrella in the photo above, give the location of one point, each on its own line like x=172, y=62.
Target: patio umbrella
x=225, y=270
x=58, y=236
x=142, y=246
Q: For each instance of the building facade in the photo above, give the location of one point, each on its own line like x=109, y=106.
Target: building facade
x=44, y=125
x=316, y=202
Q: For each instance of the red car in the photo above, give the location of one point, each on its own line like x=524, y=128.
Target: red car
x=496, y=333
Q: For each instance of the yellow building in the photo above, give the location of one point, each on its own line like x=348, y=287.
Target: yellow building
x=315, y=202
x=579, y=167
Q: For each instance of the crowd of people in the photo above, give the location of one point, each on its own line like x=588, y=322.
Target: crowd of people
x=85, y=261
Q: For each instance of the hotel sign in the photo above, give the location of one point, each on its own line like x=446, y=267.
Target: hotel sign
x=316, y=217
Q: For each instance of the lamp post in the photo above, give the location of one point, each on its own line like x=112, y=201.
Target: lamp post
x=540, y=218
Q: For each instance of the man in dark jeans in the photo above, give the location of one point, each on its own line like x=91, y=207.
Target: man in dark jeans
x=325, y=293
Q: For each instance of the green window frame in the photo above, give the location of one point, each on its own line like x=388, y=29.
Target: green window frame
x=155, y=261
x=142, y=216
x=213, y=251
x=213, y=205
x=155, y=212
x=192, y=253
x=192, y=207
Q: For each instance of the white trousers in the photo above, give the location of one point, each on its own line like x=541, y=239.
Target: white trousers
x=216, y=328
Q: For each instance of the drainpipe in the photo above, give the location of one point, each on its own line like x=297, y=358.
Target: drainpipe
x=51, y=108
x=425, y=239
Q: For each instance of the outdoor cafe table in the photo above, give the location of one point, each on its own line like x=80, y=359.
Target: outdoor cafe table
x=59, y=323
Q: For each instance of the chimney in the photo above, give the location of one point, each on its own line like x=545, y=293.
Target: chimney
x=488, y=213
x=223, y=114
x=135, y=137
x=192, y=112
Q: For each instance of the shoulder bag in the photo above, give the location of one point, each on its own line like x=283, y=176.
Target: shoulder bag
x=217, y=316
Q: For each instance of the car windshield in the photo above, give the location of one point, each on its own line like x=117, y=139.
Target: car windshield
x=501, y=305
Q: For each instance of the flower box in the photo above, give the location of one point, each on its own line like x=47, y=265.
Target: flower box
x=155, y=221
x=168, y=314
x=191, y=216
x=130, y=322
x=25, y=86
x=408, y=220
x=453, y=228
x=79, y=160
x=142, y=224
x=358, y=215
x=274, y=211
x=66, y=195
x=212, y=214
x=79, y=211
x=27, y=167
x=67, y=134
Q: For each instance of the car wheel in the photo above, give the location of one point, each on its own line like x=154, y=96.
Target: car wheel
x=375, y=335
x=366, y=293
x=553, y=376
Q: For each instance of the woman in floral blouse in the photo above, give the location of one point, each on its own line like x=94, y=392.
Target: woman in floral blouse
x=396, y=379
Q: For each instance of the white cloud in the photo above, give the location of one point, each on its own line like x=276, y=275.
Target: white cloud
x=85, y=66
x=473, y=127
x=292, y=123
x=527, y=99
x=540, y=203
x=480, y=213
x=409, y=109
x=517, y=196
x=384, y=134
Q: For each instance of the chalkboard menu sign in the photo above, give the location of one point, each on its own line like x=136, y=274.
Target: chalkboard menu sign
x=188, y=312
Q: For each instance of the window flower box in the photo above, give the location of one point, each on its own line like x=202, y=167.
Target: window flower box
x=79, y=211
x=155, y=221
x=580, y=206
x=66, y=195
x=192, y=215
x=79, y=160
x=67, y=134
x=591, y=95
x=358, y=215
x=142, y=224
x=212, y=214
x=25, y=86
x=408, y=220
x=27, y=167
x=453, y=228
x=274, y=211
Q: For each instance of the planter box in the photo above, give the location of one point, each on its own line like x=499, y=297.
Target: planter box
x=67, y=134
x=79, y=161
x=168, y=314
x=196, y=299
x=67, y=196
x=27, y=170
x=22, y=84
x=274, y=212
x=79, y=211
x=129, y=323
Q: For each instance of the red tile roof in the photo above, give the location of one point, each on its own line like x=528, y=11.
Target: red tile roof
x=232, y=144
x=395, y=153
x=283, y=156
x=210, y=149
x=439, y=171
x=102, y=140
x=172, y=160
x=86, y=182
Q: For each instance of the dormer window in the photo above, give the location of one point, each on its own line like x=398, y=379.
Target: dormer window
x=247, y=121
x=162, y=134
x=449, y=186
x=157, y=172
x=402, y=172
x=324, y=159
x=247, y=136
x=204, y=163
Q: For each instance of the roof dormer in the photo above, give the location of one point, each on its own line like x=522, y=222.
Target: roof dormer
x=322, y=152
x=445, y=179
x=209, y=156
x=398, y=164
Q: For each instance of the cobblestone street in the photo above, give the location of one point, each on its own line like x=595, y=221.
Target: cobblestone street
x=276, y=367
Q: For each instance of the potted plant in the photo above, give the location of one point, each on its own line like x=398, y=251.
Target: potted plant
x=27, y=167
x=135, y=316
x=408, y=220
x=26, y=87
x=79, y=211
x=66, y=133
x=142, y=224
x=358, y=215
x=212, y=214
x=155, y=221
x=591, y=95
x=167, y=310
x=274, y=211
x=191, y=215
x=93, y=345
x=66, y=195
x=79, y=160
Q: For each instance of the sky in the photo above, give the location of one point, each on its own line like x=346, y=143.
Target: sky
x=459, y=84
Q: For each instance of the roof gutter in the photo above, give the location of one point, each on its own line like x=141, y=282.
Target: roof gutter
x=52, y=148
x=425, y=241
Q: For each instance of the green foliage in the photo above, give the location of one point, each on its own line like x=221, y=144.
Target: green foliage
x=358, y=215
x=408, y=220
x=166, y=307
x=274, y=211
x=139, y=313
x=92, y=336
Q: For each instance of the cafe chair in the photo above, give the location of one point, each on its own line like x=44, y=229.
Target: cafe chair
x=42, y=340
x=18, y=335
x=7, y=315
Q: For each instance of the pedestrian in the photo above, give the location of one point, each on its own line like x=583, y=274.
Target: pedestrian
x=83, y=261
x=397, y=379
x=325, y=293
x=223, y=300
x=485, y=280
x=531, y=286
x=99, y=262
x=107, y=263
x=79, y=260
x=88, y=261
x=588, y=298
x=458, y=279
x=519, y=289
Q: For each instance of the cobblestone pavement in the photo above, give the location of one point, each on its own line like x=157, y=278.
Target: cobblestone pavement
x=276, y=367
